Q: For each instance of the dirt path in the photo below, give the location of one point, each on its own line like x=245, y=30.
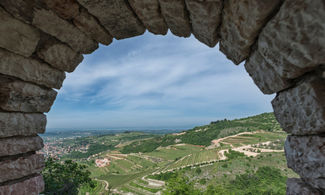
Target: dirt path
x=216, y=142
x=153, y=182
x=140, y=191
x=222, y=155
x=114, y=157
x=106, y=183
x=181, y=159
x=248, y=150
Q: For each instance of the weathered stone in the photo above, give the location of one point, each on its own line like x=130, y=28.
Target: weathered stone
x=263, y=75
x=24, y=97
x=116, y=16
x=301, y=110
x=318, y=183
x=20, y=145
x=242, y=20
x=31, y=186
x=296, y=186
x=176, y=17
x=20, y=124
x=52, y=24
x=89, y=25
x=293, y=42
x=306, y=155
x=59, y=56
x=21, y=167
x=17, y=36
x=20, y=9
x=86, y=23
x=205, y=18
x=66, y=9
x=30, y=70
x=149, y=13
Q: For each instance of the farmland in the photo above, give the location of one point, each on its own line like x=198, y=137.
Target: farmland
x=239, y=147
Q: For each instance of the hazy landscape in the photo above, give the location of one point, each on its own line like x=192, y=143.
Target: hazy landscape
x=241, y=156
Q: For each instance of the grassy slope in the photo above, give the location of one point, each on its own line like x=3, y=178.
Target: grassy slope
x=101, y=143
x=203, y=135
x=122, y=174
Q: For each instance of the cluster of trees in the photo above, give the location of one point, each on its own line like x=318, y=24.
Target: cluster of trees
x=101, y=143
x=93, y=149
x=142, y=146
x=264, y=121
x=164, y=176
x=65, y=178
x=231, y=154
x=264, y=181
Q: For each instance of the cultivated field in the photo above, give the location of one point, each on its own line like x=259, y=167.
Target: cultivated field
x=239, y=147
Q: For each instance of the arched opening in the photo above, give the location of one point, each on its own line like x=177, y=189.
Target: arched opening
x=113, y=85
x=155, y=82
x=281, y=43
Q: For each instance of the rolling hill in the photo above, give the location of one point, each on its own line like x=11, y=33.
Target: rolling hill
x=222, y=156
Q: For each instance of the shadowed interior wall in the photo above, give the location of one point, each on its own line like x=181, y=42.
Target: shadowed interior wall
x=282, y=43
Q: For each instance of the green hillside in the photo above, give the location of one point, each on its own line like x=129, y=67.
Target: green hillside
x=203, y=135
x=100, y=143
x=241, y=156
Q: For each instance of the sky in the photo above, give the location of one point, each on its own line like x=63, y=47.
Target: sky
x=155, y=82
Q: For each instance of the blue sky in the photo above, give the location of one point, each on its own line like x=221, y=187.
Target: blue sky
x=153, y=82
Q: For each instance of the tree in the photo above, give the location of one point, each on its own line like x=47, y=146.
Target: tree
x=265, y=181
x=180, y=186
x=216, y=190
x=64, y=178
x=198, y=170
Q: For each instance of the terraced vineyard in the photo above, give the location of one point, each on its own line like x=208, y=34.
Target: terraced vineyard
x=134, y=172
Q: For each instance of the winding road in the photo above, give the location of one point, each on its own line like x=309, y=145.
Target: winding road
x=106, y=183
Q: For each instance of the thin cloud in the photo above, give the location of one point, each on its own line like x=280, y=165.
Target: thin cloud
x=169, y=80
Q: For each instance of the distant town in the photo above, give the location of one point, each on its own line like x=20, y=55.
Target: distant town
x=55, y=148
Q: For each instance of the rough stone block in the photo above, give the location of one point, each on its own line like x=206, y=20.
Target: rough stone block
x=24, y=97
x=66, y=9
x=21, y=167
x=20, y=9
x=205, y=19
x=263, y=75
x=149, y=13
x=17, y=36
x=89, y=25
x=59, y=56
x=20, y=124
x=86, y=23
x=306, y=155
x=296, y=186
x=242, y=21
x=301, y=110
x=176, y=17
x=20, y=145
x=31, y=186
x=293, y=42
x=116, y=16
x=49, y=22
x=318, y=183
x=29, y=69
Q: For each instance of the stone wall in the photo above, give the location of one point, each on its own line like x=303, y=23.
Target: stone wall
x=282, y=43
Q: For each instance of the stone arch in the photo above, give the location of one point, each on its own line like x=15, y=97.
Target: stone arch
x=281, y=41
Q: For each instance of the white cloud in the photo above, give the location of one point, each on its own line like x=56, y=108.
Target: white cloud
x=162, y=75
